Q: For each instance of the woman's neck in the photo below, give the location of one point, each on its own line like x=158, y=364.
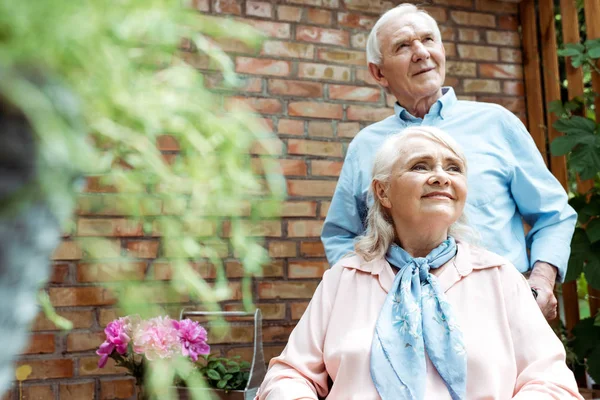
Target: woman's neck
x=420, y=244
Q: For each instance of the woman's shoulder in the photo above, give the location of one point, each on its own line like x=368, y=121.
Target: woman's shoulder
x=475, y=257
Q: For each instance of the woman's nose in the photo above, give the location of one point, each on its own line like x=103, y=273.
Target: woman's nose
x=439, y=177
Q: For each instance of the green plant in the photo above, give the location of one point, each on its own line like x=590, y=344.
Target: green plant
x=581, y=144
x=224, y=373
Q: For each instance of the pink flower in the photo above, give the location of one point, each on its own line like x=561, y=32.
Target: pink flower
x=118, y=336
x=192, y=337
x=156, y=338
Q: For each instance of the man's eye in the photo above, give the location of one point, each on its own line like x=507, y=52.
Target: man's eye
x=428, y=39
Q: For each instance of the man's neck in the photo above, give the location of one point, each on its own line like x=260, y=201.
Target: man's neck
x=420, y=107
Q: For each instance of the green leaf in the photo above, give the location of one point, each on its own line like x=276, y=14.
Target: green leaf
x=556, y=107
x=221, y=384
x=593, y=230
x=592, y=267
x=586, y=161
x=563, y=145
x=578, y=126
x=212, y=374
x=221, y=368
x=593, y=48
x=233, y=369
x=586, y=338
x=593, y=362
x=227, y=377
x=572, y=50
x=580, y=248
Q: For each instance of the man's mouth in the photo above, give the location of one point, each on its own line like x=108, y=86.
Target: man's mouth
x=423, y=71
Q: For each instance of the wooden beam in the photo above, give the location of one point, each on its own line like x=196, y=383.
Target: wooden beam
x=533, y=78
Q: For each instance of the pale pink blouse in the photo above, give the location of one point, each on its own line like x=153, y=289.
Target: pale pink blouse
x=512, y=351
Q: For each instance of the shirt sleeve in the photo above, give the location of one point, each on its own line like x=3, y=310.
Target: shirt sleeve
x=540, y=356
x=343, y=222
x=299, y=372
x=541, y=200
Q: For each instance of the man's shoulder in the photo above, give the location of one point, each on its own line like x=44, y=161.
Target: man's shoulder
x=479, y=106
x=376, y=132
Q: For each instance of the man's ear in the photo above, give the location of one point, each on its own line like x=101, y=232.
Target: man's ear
x=377, y=74
x=380, y=191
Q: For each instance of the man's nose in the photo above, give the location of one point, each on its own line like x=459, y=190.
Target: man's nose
x=420, y=51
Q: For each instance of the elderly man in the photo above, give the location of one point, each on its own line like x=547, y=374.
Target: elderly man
x=507, y=175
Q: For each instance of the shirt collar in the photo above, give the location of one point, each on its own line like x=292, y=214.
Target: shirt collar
x=440, y=108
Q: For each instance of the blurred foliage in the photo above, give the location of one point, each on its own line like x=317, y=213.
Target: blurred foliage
x=124, y=63
x=226, y=374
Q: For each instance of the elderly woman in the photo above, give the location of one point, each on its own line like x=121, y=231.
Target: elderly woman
x=418, y=312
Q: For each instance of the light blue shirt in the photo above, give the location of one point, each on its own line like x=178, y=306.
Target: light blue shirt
x=507, y=180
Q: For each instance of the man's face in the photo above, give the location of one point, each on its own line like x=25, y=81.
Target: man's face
x=413, y=63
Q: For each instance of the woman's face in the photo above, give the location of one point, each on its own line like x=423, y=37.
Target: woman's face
x=428, y=185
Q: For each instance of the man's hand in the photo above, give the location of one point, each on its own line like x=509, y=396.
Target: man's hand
x=542, y=279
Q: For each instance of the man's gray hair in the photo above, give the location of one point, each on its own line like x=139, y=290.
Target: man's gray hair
x=380, y=232
x=373, y=46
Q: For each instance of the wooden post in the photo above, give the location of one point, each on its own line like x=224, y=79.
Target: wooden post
x=533, y=78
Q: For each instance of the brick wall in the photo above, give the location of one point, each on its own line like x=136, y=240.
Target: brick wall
x=311, y=84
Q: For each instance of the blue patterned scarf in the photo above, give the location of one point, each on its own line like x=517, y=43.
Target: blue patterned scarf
x=415, y=318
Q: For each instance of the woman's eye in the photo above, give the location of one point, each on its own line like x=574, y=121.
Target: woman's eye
x=419, y=167
x=455, y=168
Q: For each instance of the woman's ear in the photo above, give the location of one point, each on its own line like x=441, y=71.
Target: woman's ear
x=380, y=191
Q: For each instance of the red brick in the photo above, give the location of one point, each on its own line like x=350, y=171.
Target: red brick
x=469, y=35
x=320, y=3
x=110, y=272
x=286, y=290
x=511, y=55
x=84, y=341
x=277, y=333
x=354, y=93
x=279, y=30
x=290, y=127
x=323, y=72
x=513, y=88
x=117, y=389
x=448, y=33
x=324, y=208
x=270, y=311
x=481, y=86
x=456, y=3
x=227, y=6
x=311, y=188
x=108, y=227
x=497, y=6
x=312, y=249
x=142, y=248
x=299, y=209
x=295, y=88
x=282, y=249
x=456, y=68
x=258, y=66
x=473, y=19
x=298, y=309
x=503, y=38
x=355, y=20
x=307, y=269
x=483, y=53
x=288, y=13
x=80, y=296
x=438, y=13
x=60, y=273
x=67, y=251
x=364, y=5
x=167, y=143
x=348, y=129
x=246, y=84
x=359, y=40
x=318, y=16
x=80, y=319
x=510, y=22
x=272, y=146
x=288, y=49
x=48, y=369
x=259, y=9
x=364, y=76
x=320, y=129
x=265, y=228
x=315, y=110
x=37, y=392
x=272, y=270
x=40, y=343
x=507, y=71
x=314, y=148
x=77, y=391
x=293, y=167
x=361, y=113
x=88, y=366
x=450, y=49
x=451, y=81
x=260, y=105
x=343, y=56
x=322, y=36
x=325, y=168
x=304, y=228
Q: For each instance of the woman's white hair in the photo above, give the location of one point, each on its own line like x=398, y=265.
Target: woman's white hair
x=380, y=232
x=373, y=46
